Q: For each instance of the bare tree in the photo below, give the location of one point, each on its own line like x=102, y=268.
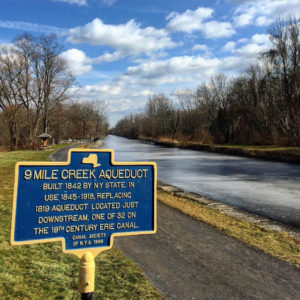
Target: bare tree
x=24, y=48
x=284, y=64
x=10, y=103
x=186, y=100
x=100, y=119
x=33, y=77
x=167, y=115
x=52, y=75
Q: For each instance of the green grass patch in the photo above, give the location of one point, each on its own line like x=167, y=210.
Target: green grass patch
x=42, y=271
x=278, y=244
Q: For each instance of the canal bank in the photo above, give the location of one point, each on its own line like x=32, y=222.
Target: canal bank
x=270, y=153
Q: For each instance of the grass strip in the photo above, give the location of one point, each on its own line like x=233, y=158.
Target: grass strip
x=273, y=153
x=287, y=149
x=42, y=271
x=277, y=244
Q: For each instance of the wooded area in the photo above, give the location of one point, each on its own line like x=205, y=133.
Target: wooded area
x=259, y=107
x=35, y=85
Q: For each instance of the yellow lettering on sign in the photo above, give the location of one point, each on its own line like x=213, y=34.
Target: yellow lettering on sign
x=78, y=228
x=107, y=226
x=96, y=217
x=108, y=205
x=40, y=230
x=126, y=225
x=27, y=174
x=120, y=174
x=45, y=174
x=130, y=204
x=61, y=219
x=114, y=185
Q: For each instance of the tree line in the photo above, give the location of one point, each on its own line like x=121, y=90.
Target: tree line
x=35, y=89
x=258, y=107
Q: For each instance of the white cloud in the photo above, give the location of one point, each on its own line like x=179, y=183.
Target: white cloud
x=78, y=62
x=243, y=19
x=107, y=89
x=196, y=20
x=145, y=93
x=78, y=2
x=189, y=21
x=32, y=27
x=234, y=64
x=259, y=43
x=264, y=12
x=121, y=105
x=263, y=21
x=261, y=39
x=245, y=54
x=108, y=57
x=214, y=29
x=243, y=40
x=126, y=39
x=250, y=50
x=200, y=47
x=173, y=70
x=229, y=46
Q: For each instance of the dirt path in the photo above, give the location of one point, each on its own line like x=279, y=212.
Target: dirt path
x=188, y=259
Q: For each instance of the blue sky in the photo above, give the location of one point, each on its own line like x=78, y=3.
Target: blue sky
x=124, y=51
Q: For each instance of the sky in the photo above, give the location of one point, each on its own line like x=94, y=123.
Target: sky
x=125, y=51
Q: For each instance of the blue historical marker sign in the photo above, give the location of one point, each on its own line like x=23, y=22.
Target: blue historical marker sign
x=83, y=202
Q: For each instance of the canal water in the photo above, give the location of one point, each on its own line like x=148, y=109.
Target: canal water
x=271, y=189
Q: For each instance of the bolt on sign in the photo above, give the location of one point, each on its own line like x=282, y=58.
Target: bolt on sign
x=84, y=202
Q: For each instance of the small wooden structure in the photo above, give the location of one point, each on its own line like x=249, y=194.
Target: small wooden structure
x=44, y=137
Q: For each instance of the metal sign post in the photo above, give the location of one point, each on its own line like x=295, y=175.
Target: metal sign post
x=86, y=276
x=84, y=203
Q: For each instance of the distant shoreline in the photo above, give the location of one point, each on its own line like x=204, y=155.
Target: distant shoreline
x=271, y=153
